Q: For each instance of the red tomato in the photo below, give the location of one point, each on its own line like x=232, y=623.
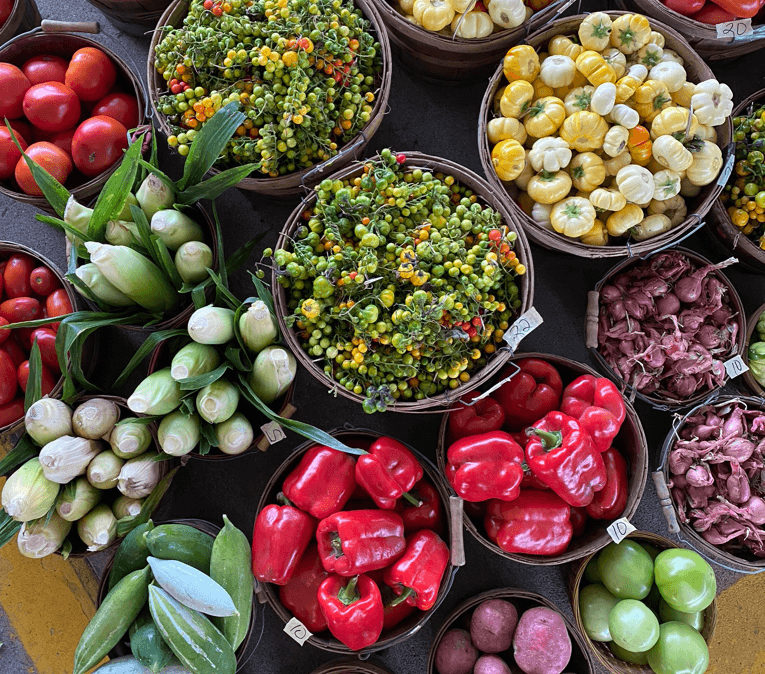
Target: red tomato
x=6, y=7
x=20, y=309
x=57, y=304
x=52, y=106
x=4, y=334
x=7, y=379
x=43, y=281
x=14, y=350
x=11, y=412
x=52, y=158
x=63, y=139
x=24, y=337
x=47, y=380
x=45, y=68
x=21, y=127
x=9, y=153
x=91, y=74
x=122, y=107
x=97, y=144
x=16, y=275
x=13, y=84
x=46, y=342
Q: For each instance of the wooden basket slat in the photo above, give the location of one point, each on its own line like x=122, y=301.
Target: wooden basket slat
x=132, y=16
x=349, y=666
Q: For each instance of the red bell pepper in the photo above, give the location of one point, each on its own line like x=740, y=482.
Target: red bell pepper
x=712, y=14
x=387, y=472
x=560, y=454
x=578, y=520
x=536, y=523
x=322, y=483
x=531, y=481
x=685, y=7
x=485, y=466
x=530, y=394
x=428, y=515
x=416, y=576
x=743, y=9
x=357, y=541
x=598, y=406
x=480, y=417
x=475, y=509
x=609, y=502
x=299, y=594
x=393, y=614
x=353, y=609
x=279, y=538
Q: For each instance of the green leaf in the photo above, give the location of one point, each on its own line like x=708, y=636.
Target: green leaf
x=213, y=187
x=234, y=262
x=199, y=297
x=208, y=434
x=8, y=527
x=63, y=226
x=127, y=524
x=221, y=253
x=34, y=383
x=140, y=421
x=167, y=265
x=239, y=358
x=162, y=176
x=144, y=231
x=209, y=143
x=201, y=380
x=24, y=450
x=85, y=291
x=66, y=548
x=149, y=344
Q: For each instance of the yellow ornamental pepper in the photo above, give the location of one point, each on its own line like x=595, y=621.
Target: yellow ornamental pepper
x=579, y=81
x=616, y=60
x=517, y=98
x=604, y=199
x=597, y=236
x=615, y=141
x=541, y=90
x=671, y=121
x=603, y=99
x=622, y=221
x=587, y=171
x=671, y=73
x=521, y=63
x=595, y=31
x=573, y=217
x=615, y=164
x=594, y=67
x=549, y=154
x=630, y=32
x=475, y=25
x=584, y=131
x=666, y=185
x=706, y=132
x=578, y=99
x=561, y=45
x=651, y=98
x=433, y=15
x=656, y=38
x=549, y=188
x=507, y=13
x=671, y=153
x=651, y=226
x=650, y=54
x=502, y=128
x=557, y=71
x=627, y=86
x=508, y=158
x=544, y=117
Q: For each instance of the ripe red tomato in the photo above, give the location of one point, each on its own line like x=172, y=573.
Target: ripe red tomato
x=11, y=412
x=14, y=350
x=9, y=153
x=21, y=309
x=16, y=275
x=46, y=341
x=8, y=385
x=97, y=144
x=52, y=158
x=4, y=334
x=52, y=106
x=63, y=139
x=122, y=107
x=13, y=84
x=45, y=68
x=57, y=304
x=21, y=127
x=6, y=7
x=43, y=281
x=47, y=380
x=91, y=74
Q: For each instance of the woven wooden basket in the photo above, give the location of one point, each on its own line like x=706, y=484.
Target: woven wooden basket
x=136, y=17
x=658, y=399
x=580, y=662
x=445, y=58
x=684, y=531
x=702, y=36
x=123, y=647
x=601, y=650
x=412, y=624
x=290, y=184
x=750, y=255
x=24, y=16
x=698, y=207
x=63, y=39
x=751, y=324
x=349, y=666
x=631, y=443
x=489, y=197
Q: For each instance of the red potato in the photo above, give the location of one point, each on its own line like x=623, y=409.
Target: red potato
x=45, y=68
x=541, y=644
x=14, y=84
x=47, y=380
x=492, y=626
x=11, y=412
x=455, y=653
x=9, y=153
x=52, y=158
x=491, y=664
x=16, y=276
x=8, y=385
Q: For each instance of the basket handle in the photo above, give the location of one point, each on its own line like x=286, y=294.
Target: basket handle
x=259, y=590
x=591, y=325
x=458, y=540
x=51, y=26
x=665, y=501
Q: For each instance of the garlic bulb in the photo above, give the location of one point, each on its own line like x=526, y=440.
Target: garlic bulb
x=38, y=539
x=139, y=476
x=27, y=493
x=95, y=418
x=48, y=419
x=65, y=458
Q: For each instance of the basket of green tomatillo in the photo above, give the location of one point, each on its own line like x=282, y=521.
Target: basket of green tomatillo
x=396, y=279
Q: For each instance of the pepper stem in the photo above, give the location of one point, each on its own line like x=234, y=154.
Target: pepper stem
x=337, y=545
x=408, y=592
x=281, y=499
x=413, y=500
x=349, y=594
x=550, y=439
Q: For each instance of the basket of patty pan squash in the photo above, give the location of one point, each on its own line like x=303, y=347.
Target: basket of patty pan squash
x=546, y=461
x=353, y=544
x=593, y=142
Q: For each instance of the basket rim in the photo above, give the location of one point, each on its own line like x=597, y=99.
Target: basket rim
x=349, y=666
x=638, y=472
x=554, y=241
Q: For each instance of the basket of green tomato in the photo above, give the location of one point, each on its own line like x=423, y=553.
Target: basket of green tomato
x=754, y=353
x=396, y=281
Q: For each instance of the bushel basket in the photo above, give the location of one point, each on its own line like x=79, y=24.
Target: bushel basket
x=24, y=16
x=136, y=17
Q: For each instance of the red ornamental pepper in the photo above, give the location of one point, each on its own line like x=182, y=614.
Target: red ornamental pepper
x=299, y=594
x=353, y=609
x=480, y=417
x=357, y=541
x=393, y=614
x=609, y=502
x=560, y=454
x=279, y=538
x=485, y=466
x=416, y=576
x=578, y=520
x=428, y=515
x=712, y=14
x=322, y=483
x=599, y=407
x=743, y=9
x=685, y=7
x=530, y=394
x=387, y=472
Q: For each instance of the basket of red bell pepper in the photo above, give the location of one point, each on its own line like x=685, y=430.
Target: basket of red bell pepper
x=357, y=548
x=545, y=462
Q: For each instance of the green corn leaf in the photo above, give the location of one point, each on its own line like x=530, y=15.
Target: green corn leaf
x=65, y=227
x=208, y=434
x=204, y=446
x=162, y=176
x=34, y=383
x=221, y=253
x=239, y=358
x=199, y=297
x=85, y=291
x=127, y=524
x=24, y=450
x=201, y=380
x=144, y=231
x=166, y=263
x=154, y=158
x=8, y=527
x=140, y=421
x=66, y=548
x=149, y=344
x=213, y=187
x=188, y=407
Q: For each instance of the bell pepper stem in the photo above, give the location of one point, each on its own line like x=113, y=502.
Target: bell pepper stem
x=408, y=592
x=550, y=439
x=413, y=500
x=281, y=499
x=337, y=545
x=349, y=594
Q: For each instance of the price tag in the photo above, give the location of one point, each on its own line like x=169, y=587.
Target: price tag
x=735, y=366
x=530, y=321
x=730, y=30
x=298, y=631
x=620, y=529
x=273, y=432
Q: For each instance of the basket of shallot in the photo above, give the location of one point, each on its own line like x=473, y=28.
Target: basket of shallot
x=711, y=482
x=664, y=326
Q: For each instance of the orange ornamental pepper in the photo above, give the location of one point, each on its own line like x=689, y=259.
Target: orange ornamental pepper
x=639, y=145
